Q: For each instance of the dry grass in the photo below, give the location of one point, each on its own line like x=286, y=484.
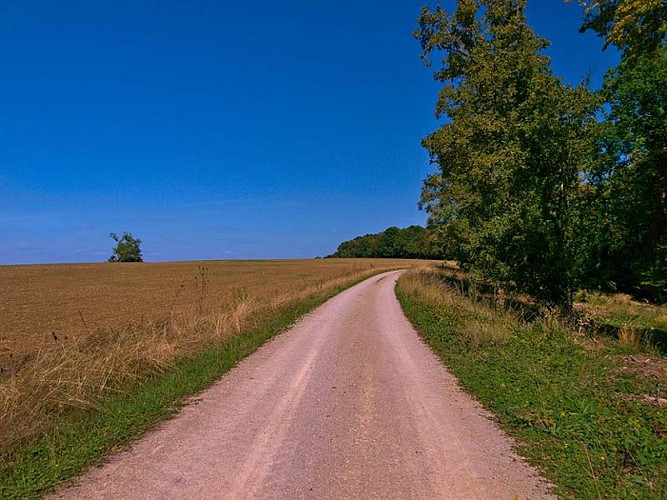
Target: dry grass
x=629, y=337
x=637, y=325
x=621, y=310
x=483, y=325
x=71, y=334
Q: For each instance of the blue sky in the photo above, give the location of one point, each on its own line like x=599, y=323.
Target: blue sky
x=219, y=129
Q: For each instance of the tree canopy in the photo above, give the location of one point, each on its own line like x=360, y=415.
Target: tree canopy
x=634, y=196
x=509, y=160
x=541, y=186
x=127, y=249
x=633, y=26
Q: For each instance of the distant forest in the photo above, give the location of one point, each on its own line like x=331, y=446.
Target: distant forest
x=413, y=242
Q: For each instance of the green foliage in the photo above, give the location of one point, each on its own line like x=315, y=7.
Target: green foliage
x=127, y=249
x=578, y=414
x=635, y=190
x=507, y=195
x=413, y=242
x=633, y=26
x=629, y=222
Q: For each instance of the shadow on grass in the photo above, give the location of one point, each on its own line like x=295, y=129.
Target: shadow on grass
x=655, y=337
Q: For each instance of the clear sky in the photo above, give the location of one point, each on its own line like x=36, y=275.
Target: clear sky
x=214, y=129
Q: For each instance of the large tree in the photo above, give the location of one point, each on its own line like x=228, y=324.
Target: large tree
x=506, y=198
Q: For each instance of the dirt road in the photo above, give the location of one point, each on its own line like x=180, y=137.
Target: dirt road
x=349, y=403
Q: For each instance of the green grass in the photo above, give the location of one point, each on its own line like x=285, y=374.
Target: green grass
x=74, y=443
x=575, y=412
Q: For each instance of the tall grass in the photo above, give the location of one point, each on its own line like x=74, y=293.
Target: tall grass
x=636, y=324
x=591, y=423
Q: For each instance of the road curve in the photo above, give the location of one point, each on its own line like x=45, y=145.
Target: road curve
x=349, y=403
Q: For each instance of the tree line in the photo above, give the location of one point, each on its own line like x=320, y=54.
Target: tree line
x=541, y=186
x=414, y=242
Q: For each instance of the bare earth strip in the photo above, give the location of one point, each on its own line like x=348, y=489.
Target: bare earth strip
x=349, y=403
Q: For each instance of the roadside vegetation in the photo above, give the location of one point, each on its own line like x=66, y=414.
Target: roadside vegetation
x=76, y=394
x=588, y=405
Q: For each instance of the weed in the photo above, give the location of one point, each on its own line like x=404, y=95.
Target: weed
x=629, y=337
x=201, y=288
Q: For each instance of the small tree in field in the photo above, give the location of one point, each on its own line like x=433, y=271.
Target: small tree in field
x=127, y=249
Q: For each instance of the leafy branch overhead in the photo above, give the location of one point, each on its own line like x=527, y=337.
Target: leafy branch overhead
x=633, y=26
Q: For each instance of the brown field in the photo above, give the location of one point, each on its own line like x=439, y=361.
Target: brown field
x=72, y=300
x=69, y=334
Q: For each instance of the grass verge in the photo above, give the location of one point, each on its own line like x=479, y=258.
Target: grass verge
x=79, y=438
x=596, y=428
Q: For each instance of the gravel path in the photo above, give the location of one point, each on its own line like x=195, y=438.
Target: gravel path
x=349, y=403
